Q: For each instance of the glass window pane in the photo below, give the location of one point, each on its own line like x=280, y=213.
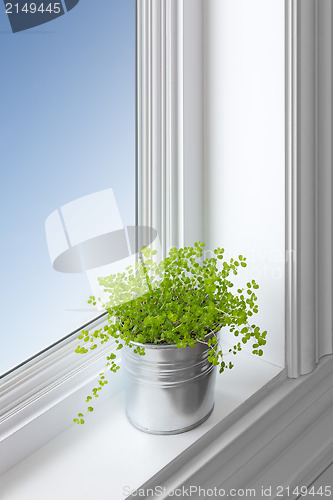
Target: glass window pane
x=67, y=143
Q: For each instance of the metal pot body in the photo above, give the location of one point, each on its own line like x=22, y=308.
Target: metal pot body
x=168, y=390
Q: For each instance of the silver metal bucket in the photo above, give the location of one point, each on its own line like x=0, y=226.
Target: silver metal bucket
x=168, y=390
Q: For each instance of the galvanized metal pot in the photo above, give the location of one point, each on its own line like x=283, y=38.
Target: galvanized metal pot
x=168, y=390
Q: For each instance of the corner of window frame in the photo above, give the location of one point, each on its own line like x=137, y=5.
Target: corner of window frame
x=169, y=119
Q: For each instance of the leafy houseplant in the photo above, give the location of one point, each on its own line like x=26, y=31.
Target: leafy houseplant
x=182, y=300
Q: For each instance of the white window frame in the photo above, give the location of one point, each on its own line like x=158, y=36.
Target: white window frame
x=170, y=142
x=281, y=431
x=170, y=120
x=39, y=398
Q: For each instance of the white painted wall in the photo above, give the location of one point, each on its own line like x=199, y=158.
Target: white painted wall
x=244, y=147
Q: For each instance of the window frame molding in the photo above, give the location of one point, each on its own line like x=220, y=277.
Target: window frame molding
x=170, y=112
x=39, y=397
x=303, y=399
x=309, y=236
x=164, y=82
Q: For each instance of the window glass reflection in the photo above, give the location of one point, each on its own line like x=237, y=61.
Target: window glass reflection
x=67, y=134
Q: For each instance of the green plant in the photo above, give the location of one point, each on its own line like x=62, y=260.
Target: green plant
x=176, y=301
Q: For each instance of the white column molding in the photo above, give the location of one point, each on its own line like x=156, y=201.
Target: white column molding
x=324, y=178
x=309, y=184
x=170, y=136
x=170, y=145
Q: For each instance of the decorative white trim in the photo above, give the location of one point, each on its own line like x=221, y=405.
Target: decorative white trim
x=170, y=119
x=291, y=188
x=309, y=184
x=43, y=374
x=324, y=178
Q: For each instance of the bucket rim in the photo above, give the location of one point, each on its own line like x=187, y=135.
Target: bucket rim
x=169, y=346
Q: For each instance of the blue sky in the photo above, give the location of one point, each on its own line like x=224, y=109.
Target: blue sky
x=67, y=107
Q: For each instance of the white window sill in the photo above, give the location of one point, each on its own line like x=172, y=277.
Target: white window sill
x=106, y=455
